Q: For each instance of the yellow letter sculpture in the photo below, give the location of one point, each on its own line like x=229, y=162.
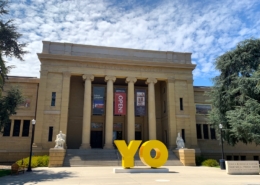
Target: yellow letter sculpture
x=127, y=153
x=160, y=157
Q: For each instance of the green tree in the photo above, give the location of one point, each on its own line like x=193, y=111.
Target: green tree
x=8, y=105
x=235, y=96
x=9, y=44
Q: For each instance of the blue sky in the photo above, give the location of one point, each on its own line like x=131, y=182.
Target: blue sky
x=206, y=28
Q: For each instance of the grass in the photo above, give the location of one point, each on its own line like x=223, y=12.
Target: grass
x=4, y=172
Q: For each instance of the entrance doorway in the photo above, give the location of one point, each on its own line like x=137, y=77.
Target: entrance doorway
x=96, y=139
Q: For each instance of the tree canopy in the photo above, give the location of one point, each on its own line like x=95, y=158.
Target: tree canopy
x=9, y=44
x=235, y=96
x=9, y=47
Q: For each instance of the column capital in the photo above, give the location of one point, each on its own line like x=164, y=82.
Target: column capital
x=88, y=77
x=66, y=73
x=112, y=78
x=130, y=79
x=151, y=80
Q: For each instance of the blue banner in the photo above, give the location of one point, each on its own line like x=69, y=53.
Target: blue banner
x=98, y=100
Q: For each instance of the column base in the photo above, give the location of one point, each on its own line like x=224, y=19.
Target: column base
x=85, y=146
x=108, y=146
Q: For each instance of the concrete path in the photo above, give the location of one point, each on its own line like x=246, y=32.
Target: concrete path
x=179, y=175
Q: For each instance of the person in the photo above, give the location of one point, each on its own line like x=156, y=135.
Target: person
x=179, y=142
x=60, y=140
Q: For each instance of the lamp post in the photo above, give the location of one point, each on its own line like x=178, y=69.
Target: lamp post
x=29, y=166
x=222, y=160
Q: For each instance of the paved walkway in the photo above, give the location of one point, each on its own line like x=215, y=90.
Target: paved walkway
x=179, y=175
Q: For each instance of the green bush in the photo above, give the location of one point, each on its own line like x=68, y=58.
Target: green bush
x=199, y=160
x=37, y=161
x=210, y=163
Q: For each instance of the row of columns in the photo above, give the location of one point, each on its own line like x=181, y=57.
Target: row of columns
x=86, y=130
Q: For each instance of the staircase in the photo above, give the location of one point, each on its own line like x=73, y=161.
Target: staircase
x=106, y=157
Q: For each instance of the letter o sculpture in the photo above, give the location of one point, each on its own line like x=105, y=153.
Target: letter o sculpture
x=160, y=157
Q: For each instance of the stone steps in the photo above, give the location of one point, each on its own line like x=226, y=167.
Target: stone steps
x=106, y=157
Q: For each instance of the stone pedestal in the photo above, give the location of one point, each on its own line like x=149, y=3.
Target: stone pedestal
x=56, y=157
x=186, y=156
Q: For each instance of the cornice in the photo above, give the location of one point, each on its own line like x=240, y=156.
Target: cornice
x=128, y=62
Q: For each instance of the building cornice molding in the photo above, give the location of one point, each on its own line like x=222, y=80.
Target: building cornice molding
x=96, y=60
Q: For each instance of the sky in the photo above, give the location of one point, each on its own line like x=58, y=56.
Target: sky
x=206, y=28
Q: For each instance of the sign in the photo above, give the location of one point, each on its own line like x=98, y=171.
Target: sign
x=242, y=167
x=120, y=102
x=140, y=102
x=98, y=100
x=128, y=153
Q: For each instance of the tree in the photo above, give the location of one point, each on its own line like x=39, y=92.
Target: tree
x=9, y=45
x=8, y=105
x=235, y=95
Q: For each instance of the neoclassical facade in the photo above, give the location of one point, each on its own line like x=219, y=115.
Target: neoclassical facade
x=96, y=94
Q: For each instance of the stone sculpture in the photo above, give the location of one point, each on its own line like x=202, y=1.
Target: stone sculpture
x=60, y=140
x=179, y=142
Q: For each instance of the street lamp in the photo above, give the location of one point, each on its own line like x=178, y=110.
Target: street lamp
x=222, y=160
x=29, y=166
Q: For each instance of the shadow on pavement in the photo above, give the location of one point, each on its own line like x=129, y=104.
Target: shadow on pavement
x=35, y=177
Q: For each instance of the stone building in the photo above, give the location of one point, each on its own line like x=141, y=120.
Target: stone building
x=97, y=94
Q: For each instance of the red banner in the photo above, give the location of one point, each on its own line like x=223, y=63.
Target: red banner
x=120, y=102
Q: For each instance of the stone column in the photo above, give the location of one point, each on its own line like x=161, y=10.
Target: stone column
x=109, y=112
x=40, y=110
x=65, y=102
x=172, y=123
x=130, y=109
x=151, y=108
x=86, y=127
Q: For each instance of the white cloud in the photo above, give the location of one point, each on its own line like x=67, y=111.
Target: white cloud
x=206, y=29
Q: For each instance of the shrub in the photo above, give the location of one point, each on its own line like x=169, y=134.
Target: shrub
x=210, y=163
x=37, y=161
x=199, y=160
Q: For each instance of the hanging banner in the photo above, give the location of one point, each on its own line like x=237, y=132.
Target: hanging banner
x=140, y=102
x=98, y=100
x=120, y=102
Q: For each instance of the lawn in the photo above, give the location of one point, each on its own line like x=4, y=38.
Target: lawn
x=4, y=172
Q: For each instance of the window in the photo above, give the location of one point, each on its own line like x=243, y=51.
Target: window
x=202, y=108
x=205, y=131
x=7, y=129
x=236, y=158
x=229, y=157
x=181, y=104
x=183, y=134
x=256, y=158
x=50, y=133
x=242, y=158
x=17, y=124
x=26, y=128
x=198, y=127
x=212, y=133
x=53, y=98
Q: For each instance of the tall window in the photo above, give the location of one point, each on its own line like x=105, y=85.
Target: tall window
x=53, y=98
x=17, y=124
x=7, y=129
x=26, y=128
x=181, y=104
x=183, y=134
x=212, y=133
x=50, y=133
x=198, y=127
x=205, y=131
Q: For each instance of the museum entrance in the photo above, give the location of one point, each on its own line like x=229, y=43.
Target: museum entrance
x=96, y=139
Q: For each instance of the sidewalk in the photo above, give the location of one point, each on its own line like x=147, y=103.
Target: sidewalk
x=179, y=175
